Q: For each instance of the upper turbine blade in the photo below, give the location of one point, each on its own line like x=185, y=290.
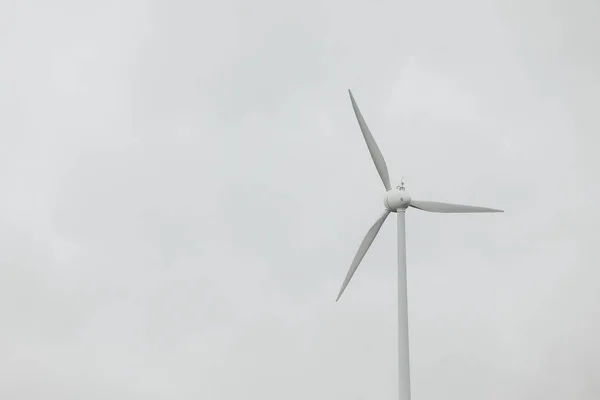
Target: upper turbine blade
x=373, y=149
x=435, y=206
x=362, y=250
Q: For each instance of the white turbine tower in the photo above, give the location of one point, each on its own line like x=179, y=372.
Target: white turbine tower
x=397, y=200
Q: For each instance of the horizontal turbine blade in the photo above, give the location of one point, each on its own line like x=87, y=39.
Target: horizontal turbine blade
x=372, y=145
x=435, y=206
x=362, y=250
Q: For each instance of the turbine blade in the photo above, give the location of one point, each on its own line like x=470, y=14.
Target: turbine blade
x=372, y=145
x=362, y=250
x=438, y=207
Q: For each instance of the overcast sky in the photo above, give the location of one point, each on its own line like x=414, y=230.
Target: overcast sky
x=183, y=186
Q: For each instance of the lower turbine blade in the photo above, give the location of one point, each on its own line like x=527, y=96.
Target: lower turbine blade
x=362, y=250
x=435, y=206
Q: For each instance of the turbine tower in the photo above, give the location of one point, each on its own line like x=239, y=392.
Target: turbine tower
x=397, y=200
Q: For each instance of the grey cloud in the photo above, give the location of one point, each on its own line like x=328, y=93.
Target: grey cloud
x=184, y=186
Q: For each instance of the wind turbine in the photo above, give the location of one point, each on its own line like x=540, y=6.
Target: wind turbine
x=397, y=200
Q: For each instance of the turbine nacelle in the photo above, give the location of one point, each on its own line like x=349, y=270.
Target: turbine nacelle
x=396, y=199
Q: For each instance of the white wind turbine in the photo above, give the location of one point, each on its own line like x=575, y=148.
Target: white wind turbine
x=397, y=200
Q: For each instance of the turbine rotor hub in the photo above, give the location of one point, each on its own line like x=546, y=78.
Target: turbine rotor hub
x=396, y=199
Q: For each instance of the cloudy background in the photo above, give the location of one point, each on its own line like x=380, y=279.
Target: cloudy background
x=183, y=186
